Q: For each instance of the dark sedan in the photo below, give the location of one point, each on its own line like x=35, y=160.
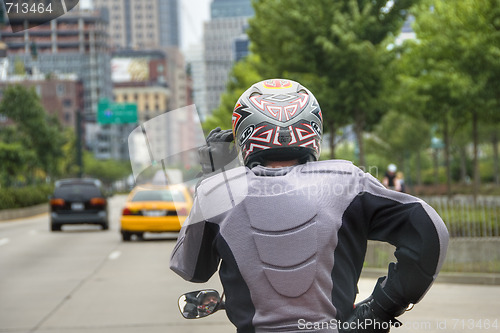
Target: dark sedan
x=78, y=201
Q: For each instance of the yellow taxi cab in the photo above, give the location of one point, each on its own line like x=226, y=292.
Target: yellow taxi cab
x=151, y=208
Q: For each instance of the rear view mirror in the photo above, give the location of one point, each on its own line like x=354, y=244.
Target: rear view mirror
x=199, y=304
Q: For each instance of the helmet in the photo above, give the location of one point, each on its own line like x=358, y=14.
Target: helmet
x=207, y=293
x=277, y=120
x=208, y=301
x=392, y=168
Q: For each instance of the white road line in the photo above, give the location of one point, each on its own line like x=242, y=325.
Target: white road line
x=4, y=241
x=114, y=255
x=33, y=232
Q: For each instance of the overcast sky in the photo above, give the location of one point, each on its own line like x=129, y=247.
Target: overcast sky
x=193, y=14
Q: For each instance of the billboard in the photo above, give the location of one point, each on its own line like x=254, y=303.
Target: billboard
x=129, y=70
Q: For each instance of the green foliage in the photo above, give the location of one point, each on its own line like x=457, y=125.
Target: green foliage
x=341, y=44
x=15, y=160
x=67, y=166
x=19, y=68
x=35, y=135
x=465, y=35
x=428, y=176
x=399, y=134
x=454, y=67
x=18, y=197
x=107, y=171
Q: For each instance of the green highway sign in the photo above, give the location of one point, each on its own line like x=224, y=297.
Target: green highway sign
x=116, y=113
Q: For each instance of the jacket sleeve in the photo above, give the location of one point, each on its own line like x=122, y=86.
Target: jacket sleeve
x=419, y=235
x=194, y=257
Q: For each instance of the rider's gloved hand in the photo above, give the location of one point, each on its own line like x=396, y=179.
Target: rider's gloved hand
x=367, y=317
x=376, y=314
x=218, y=152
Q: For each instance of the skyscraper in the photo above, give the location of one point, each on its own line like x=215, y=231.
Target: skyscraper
x=142, y=24
x=231, y=8
x=229, y=19
x=76, y=42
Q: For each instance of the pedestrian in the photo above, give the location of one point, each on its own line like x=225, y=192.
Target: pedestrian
x=391, y=178
x=288, y=233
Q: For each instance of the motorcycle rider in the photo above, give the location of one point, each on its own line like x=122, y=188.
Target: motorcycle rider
x=290, y=232
x=208, y=300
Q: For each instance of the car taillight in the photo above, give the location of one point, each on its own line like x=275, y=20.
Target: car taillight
x=128, y=211
x=182, y=212
x=57, y=202
x=98, y=202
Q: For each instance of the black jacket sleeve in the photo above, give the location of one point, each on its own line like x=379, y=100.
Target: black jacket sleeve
x=419, y=235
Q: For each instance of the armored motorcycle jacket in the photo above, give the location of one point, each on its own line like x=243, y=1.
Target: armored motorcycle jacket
x=289, y=243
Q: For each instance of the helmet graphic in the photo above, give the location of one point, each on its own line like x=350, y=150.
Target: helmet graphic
x=277, y=120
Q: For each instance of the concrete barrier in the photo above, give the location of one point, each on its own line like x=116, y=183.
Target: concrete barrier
x=444, y=277
x=10, y=214
x=468, y=260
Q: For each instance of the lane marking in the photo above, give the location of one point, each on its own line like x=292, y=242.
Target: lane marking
x=4, y=241
x=33, y=232
x=114, y=255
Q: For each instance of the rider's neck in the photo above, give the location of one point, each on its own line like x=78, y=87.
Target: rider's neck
x=281, y=164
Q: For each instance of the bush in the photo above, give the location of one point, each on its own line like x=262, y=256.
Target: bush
x=18, y=197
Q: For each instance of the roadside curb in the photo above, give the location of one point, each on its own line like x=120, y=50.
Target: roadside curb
x=16, y=213
x=491, y=279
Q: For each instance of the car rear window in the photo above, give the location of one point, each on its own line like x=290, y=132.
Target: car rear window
x=88, y=190
x=159, y=195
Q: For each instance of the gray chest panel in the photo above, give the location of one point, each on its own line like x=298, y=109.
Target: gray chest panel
x=286, y=239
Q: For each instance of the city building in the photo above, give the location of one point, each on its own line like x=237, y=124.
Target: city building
x=149, y=25
x=182, y=121
x=241, y=47
x=151, y=101
x=140, y=77
x=149, y=79
x=196, y=73
x=177, y=78
x=219, y=36
x=142, y=24
x=60, y=95
x=76, y=42
x=229, y=19
x=231, y=8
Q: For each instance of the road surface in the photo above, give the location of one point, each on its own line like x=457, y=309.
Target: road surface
x=84, y=280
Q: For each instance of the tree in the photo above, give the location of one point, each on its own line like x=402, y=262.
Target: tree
x=108, y=171
x=67, y=166
x=399, y=135
x=342, y=44
x=434, y=92
x=19, y=68
x=459, y=42
x=34, y=128
x=14, y=160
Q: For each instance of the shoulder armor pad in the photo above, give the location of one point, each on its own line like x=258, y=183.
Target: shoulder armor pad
x=221, y=192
